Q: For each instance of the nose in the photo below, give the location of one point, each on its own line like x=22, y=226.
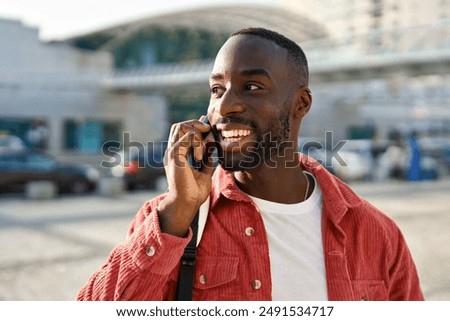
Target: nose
x=230, y=104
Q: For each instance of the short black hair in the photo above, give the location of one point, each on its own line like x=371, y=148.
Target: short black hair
x=295, y=52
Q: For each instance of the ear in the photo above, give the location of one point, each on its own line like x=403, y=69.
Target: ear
x=303, y=102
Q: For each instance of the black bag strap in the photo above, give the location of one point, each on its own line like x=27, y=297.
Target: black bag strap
x=187, y=265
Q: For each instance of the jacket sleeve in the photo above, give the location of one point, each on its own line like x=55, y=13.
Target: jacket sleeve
x=139, y=268
x=404, y=279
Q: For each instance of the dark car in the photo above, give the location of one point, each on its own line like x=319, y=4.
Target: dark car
x=19, y=168
x=141, y=167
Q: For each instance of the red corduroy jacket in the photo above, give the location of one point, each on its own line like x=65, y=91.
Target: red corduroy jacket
x=366, y=257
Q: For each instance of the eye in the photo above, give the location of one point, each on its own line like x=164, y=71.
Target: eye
x=252, y=87
x=217, y=91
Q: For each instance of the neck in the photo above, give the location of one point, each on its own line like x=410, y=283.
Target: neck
x=281, y=184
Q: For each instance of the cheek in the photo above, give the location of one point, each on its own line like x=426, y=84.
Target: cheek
x=280, y=127
x=276, y=119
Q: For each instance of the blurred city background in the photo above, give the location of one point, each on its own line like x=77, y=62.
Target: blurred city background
x=84, y=118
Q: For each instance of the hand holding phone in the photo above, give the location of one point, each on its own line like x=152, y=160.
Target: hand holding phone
x=209, y=147
x=188, y=188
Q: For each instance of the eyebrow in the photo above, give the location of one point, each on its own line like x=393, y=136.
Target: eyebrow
x=247, y=73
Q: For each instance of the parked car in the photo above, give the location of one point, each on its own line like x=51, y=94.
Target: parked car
x=19, y=168
x=10, y=143
x=436, y=154
x=141, y=167
x=351, y=161
x=357, y=160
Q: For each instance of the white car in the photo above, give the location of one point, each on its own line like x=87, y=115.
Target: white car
x=10, y=143
x=353, y=161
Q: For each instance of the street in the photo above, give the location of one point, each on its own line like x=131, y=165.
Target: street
x=51, y=247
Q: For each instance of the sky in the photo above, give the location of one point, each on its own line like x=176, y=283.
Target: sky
x=59, y=19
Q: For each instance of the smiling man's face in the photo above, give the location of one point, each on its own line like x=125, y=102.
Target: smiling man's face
x=251, y=99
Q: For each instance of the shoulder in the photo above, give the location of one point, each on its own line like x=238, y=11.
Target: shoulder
x=363, y=213
x=354, y=214
x=368, y=227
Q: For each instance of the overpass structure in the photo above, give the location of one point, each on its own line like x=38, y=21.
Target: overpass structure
x=222, y=20
x=413, y=51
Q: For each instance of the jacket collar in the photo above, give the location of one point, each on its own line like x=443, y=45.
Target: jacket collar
x=337, y=196
x=334, y=202
x=224, y=185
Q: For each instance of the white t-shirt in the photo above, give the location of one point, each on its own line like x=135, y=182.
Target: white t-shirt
x=295, y=247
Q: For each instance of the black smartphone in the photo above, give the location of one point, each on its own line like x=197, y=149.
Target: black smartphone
x=198, y=164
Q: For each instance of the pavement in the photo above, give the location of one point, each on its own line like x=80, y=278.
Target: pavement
x=49, y=248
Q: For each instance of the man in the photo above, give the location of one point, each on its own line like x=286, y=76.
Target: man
x=280, y=227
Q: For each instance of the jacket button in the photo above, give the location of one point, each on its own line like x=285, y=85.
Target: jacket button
x=249, y=231
x=150, y=251
x=256, y=284
x=202, y=279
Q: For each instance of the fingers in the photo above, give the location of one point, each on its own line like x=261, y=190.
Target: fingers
x=188, y=139
x=189, y=135
x=179, y=129
x=180, y=150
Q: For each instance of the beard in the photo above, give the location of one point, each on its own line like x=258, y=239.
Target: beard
x=269, y=143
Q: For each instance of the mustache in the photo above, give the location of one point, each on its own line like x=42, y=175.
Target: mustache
x=237, y=120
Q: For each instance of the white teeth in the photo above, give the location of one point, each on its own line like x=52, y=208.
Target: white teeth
x=236, y=133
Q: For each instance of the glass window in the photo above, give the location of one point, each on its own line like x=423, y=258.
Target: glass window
x=91, y=135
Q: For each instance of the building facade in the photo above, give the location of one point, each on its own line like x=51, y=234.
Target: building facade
x=349, y=18
x=59, y=87
x=377, y=68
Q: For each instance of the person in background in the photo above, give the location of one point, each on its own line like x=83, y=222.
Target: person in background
x=396, y=155
x=37, y=135
x=414, y=166
x=280, y=226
